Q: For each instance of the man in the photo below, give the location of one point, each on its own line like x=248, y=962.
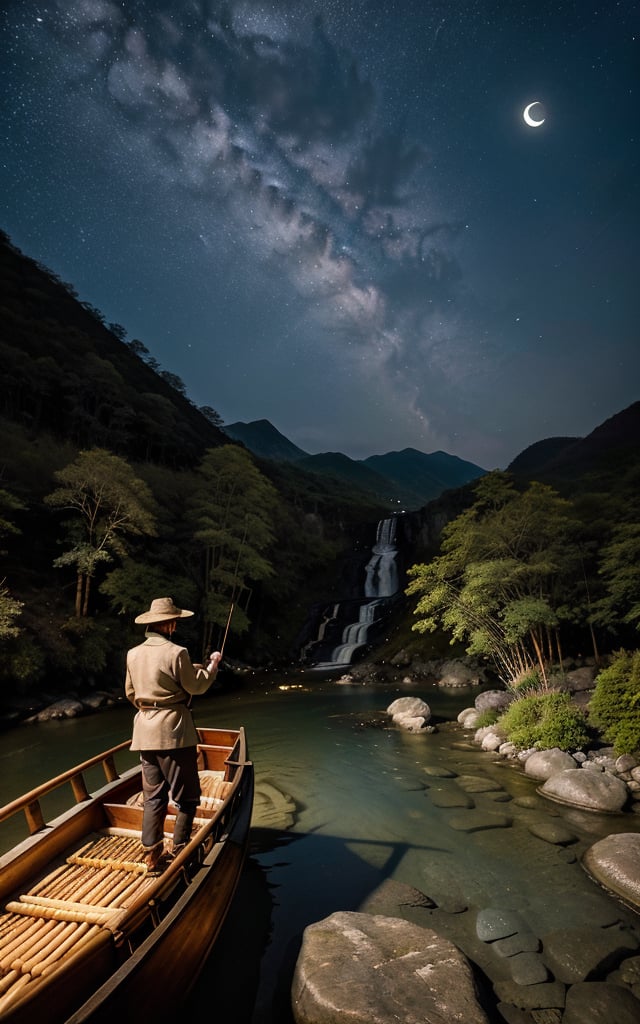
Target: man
x=159, y=683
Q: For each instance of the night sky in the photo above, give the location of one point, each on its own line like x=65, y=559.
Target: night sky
x=331, y=213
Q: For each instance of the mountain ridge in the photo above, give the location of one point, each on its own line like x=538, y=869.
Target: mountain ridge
x=409, y=477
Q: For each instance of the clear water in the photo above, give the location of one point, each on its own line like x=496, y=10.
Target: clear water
x=371, y=803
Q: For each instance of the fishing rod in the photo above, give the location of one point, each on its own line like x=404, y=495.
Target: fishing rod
x=233, y=588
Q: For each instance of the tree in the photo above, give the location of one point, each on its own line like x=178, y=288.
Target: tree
x=109, y=503
x=619, y=569
x=10, y=607
x=213, y=416
x=119, y=331
x=173, y=381
x=232, y=513
x=499, y=582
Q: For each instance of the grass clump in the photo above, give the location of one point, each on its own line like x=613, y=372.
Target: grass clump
x=485, y=718
x=615, y=705
x=545, y=720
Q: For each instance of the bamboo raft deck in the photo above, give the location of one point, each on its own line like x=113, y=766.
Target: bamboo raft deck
x=80, y=891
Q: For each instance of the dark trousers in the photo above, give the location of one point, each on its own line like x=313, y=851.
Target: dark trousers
x=169, y=773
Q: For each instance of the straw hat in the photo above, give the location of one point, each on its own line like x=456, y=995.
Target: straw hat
x=163, y=609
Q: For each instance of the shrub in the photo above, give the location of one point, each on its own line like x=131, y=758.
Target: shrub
x=527, y=682
x=488, y=717
x=545, y=720
x=615, y=705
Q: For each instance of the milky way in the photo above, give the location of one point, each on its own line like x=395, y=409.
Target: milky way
x=333, y=216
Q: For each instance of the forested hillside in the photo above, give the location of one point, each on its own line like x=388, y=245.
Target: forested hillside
x=115, y=488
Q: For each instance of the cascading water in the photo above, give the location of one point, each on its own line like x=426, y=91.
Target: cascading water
x=382, y=568
x=339, y=620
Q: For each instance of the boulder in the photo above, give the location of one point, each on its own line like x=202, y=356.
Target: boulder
x=553, y=832
x=579, y=679
x=614, y=862
x=594, y=791
x=66, y=707
x=409, y=713
x=577, y=954
x=469, y=718
x=457, y=673
x=378, y=970
x=493, y=700
x=598, y=1002
x=493, y=739
x=542, y=764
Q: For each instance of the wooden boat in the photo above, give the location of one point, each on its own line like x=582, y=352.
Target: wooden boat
x=86, y=932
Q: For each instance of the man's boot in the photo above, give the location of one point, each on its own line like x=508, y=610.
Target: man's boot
x=152, y=858
x=182, y=831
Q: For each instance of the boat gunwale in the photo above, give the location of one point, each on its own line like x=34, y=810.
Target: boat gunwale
x=158, y=901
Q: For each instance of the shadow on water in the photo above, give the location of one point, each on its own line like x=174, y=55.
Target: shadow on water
x=334, y=879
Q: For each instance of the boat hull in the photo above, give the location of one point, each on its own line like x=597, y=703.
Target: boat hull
x=144, y=940
x=162, y=971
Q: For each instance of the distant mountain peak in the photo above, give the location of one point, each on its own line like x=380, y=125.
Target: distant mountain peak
x=265, y=441
x=409, y=478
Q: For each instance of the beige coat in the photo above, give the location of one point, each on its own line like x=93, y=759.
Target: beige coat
x=160, y=679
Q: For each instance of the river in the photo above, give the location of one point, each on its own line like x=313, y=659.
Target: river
x=369, y=802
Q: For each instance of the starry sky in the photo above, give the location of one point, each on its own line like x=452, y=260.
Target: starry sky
x=331, y=213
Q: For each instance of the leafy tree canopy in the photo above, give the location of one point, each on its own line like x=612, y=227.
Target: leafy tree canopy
x=108, y=502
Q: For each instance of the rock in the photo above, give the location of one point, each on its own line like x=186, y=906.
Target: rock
x=410, y=713
x=401, y=659
x=528, y=969
x=552, y=832
x=412, y=723
x=457, y=673
x=452, y=797
x=469, y=718
x=479, y=821
x=522, y=942
x=494, y=923
x=437, y=771
x=579, y=679
x=493, y=700
x=544, y=763
x=625, y=763
x=630, y=970
x=378, y=970
x=493, y=740
x=591, y=790
x=547, y=995
x=614, y=862
x=598, y=1002
x=477, y=784
x=66, y=707
x=573, y=954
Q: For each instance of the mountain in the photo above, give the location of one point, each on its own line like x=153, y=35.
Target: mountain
x=64, y=371
x=605, y=459
x=539, y=454
x=262, y=438
x=423, y=477
x=409, y=478
x=353, y=472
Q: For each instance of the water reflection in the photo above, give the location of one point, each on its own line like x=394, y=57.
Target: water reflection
x=372, y=805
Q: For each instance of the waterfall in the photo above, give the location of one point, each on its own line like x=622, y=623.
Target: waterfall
x=382, y=569
x=352, y=623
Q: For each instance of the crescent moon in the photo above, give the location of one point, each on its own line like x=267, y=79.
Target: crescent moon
x=526, y=113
